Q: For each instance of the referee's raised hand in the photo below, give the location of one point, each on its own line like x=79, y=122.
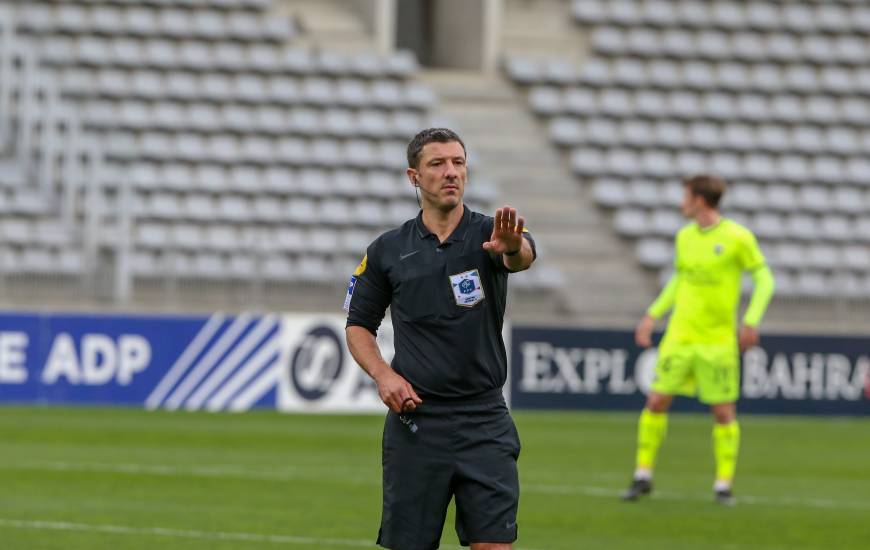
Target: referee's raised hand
x=396, y=392
x=507, y=232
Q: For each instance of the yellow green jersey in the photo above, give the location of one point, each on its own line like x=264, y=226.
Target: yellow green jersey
x=705, y=290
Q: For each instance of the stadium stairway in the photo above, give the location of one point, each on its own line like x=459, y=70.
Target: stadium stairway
x=574, y=236
x=329, y=23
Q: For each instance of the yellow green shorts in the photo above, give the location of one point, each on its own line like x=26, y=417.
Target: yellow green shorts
x=709, y=371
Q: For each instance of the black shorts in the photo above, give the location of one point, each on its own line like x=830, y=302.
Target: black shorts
x=468, y=451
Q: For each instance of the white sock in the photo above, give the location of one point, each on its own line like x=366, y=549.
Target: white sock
x=643, y=473
x=722, y=485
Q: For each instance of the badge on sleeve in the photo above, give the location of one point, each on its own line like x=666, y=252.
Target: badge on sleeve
x=467, y=289
x=353, y=279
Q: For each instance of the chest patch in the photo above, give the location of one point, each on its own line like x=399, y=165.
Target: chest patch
x=467, y=290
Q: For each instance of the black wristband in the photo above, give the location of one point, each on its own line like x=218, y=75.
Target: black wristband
x=515, y=252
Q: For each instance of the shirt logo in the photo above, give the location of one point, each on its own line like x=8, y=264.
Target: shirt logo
x=467, y=289
x=349, y=295
x=718, y=249
x=408, y=255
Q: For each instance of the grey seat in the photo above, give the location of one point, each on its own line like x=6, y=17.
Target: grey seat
x=187, y=236
x=631, y=222
x=654, y=253
x=666, y=222
x=780, y=197
x=199, y=207
x=802, y=226
x=610, y=192
x=813, y=284
x=856, y=257
x=769, y=225
x=836, y=228
x=267, y=208
x=823, y=256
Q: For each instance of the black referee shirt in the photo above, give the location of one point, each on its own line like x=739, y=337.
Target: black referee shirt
x=447, y=303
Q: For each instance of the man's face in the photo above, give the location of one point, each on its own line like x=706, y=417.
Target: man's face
x=691, y=204
x=441, y=174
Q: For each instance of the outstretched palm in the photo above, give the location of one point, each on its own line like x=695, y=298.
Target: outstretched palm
x=507, y=232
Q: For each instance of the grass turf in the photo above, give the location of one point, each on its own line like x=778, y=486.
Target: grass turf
x=76, y=478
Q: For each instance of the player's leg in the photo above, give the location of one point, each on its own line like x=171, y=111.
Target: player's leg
x=719, y=386
x=417, y=470
x=726, y=445
x=651, y=430
x=672, y=377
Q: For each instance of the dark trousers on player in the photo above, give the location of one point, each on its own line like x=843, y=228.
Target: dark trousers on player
x=465, y=450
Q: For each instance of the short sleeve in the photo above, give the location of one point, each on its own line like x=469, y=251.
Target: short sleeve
x=750, y=257
x=368, y=293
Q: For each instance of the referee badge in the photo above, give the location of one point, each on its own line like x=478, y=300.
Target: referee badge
x=467, y=290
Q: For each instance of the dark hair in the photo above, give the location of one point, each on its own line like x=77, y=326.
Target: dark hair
x=708, y=186
x=441, y=135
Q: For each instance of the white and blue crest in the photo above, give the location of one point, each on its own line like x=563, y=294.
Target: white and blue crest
x=467, y=289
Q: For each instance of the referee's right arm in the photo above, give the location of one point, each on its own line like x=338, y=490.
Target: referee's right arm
x=367, y=304
x=395, y=391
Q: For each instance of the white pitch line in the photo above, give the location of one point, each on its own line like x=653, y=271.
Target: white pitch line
x=46, y=525
x=357, y=475
x=178, y=533
x=762, y=500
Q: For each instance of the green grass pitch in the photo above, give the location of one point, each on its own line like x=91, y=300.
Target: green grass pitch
x=76, y=478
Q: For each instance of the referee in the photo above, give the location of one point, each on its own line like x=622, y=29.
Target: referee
x=448, y=432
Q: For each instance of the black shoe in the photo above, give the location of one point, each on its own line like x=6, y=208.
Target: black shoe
x=637, y=488
x=725, y=497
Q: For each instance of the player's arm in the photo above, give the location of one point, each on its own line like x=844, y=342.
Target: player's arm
x=366, y=304
x=659, y=308
x=762, y=291
x=752, y=260
x=510, y=240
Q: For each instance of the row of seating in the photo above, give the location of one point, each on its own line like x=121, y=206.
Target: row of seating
x=747, y=46
x=681, y=43
x=285, y=268
x=687, y=105
x=658, y=253
x=255, y=149
x=710, y=135
x=247, y=179
x=794, y=167
x=39, y=231
x=745, y=196
x=205, y=4
x=15, y=198
x=666, y=74
x=265, y=209
x=199, y=56
x=245, y=119
x=222, y=237
x=142, y=20
x=244, y=87
x=829, y=16
x=36, y=260
x=665, y=222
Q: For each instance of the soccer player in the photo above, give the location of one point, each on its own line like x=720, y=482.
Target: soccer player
x=698, y=354
x=448, y=433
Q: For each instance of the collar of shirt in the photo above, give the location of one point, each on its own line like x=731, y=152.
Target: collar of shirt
x=458, y=233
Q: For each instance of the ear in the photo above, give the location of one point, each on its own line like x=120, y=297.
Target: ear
x=413, y=177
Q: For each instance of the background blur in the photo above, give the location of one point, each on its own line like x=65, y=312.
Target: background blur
x=187, y=185
x=189, y=156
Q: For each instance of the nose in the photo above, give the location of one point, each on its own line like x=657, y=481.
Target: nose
x=452, y=170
